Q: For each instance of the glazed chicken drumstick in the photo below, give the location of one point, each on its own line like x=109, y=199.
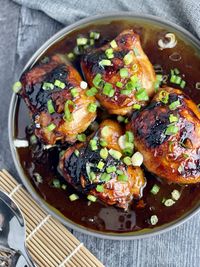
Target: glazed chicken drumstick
x=95, y=167
x=167, y=133
x=57, y=102
x=121, y=72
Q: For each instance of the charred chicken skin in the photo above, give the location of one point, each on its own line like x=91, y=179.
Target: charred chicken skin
x=93, y=168
x=121, y=72
x=57, y=103
x=167, y=133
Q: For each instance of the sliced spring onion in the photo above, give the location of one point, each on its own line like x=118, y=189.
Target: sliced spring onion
x=109, y=53
x=129, y=136
x=155, y=189
x=97, y=80
x=76, y=152
x=33, y=139
x=137, y=106
x=71, y=56
x=173, y=118
x=94, y=35
x=83, y=85
x=120, y=118
x=154, y=220
x=174, y=105
x=108, y=90
x=59, y=84
x=182, y=84
x=81, y=137
x=105, y=131
x=163, y=96
x=126, y=92
x=38, y=178
x=119, y=84
x=50, y=106
x=137, y=159
x=105, y=62
x=169, y=202
x=113, y=44
x=100, y=188
x=100, y=165
x=171, y=129
x=91, y=198
x=73, y=197
x=130, y=86
x=81, y=41
x=115, y=154
x=68, y=115
x=74, y=92
x=104, y=153
x=93, y=144
x=92, y=176
x=127, y=161
x=119, y=172
x=128, y=151
x=128, y=58
x=122, y=178
x=136, y=51
x=175, y=194
x=51, y=127
x=56, y=183
x=47, y=86
x=92, y=107
x=92, y=91
x=176, y=71
x=123, y=73
x=141, y=95
x=17, y=86
x=64, y=186
x=105, y=177
x=122, y=141
x=111, y=169
x=103, y=143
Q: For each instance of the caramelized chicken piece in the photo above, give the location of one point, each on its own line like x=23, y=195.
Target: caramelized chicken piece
x=58, y=112
x=122, y=73
x=167, y=133
x=106, y=177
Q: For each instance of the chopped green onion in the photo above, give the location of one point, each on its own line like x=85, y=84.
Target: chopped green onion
x=33, y=139
x=136, y=51
x=92, y=107
x=38, y=177
x=126, y=120
x=120, y=118
x=128, y=58
x=119, y=84
x=73, y=197
x=105, y=62
x=137, y=106
x=125, y=92
x=127, y=161
x=92, y=91
x=178, y=80
x=135, y=81
x=92, y=176
x=68, y=115
x=92, y=198
x=74, y=92
x=100, y=165
x=108, y=90
x=76, y=152
x=104, y=153
x=119, y=172
x=174, y=105
x=64, y=186
x=47, y=86
x=142, y=95
x=115, y=154
x=56, y=183
x=109, y=53
x=129, y=136
x=111, y=169
x=171, y=129
x=94, y=35
x=137, y=159
x=51, y=127
x=81, y=137
x=130, y=86
x=97, y=81
x=154, y=220
x=105, y=131
x=173, y=78
x=105, y=177
x=122, y=178
x=100, y=188
x=155, y=189
x=128, y=151
x=113, y=44
x=175, y=194
x=169, y=202
x=185, y=155
x=71, y=56
x=173, y=118
x=163, y=96
x=50, y=106
x=93, y=144
x=81, y=41
x=59, y=84
x=92, y=41
x=17, y=86
x=103, y=143
x=176, y=71
x=123, y=73
x=182, y=84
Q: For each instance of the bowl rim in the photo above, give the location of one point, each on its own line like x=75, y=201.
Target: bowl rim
x=64, y=220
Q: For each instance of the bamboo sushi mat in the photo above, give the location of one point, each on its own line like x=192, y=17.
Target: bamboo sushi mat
x=48, y=241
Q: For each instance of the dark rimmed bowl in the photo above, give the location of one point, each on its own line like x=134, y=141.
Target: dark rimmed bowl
x=11, y=123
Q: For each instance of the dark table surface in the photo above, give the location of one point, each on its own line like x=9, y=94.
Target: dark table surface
x=22, y=31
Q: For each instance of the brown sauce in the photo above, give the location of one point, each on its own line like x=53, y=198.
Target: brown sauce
x=99, y=216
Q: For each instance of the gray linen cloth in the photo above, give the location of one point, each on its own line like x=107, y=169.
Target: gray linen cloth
x=183, y=12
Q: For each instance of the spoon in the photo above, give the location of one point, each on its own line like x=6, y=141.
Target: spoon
x=12, y=228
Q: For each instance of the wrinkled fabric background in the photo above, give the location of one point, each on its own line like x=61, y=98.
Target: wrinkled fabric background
x=24, y=27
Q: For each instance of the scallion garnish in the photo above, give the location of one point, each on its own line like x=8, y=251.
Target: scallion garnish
x=59, y=84
x=171, y=129
x=71, y=56
x=115, y=154
x=105, y=62
x=93, y=144
x=128, y=58
x=97, y=81
x=137, y=159
x=68, y=115
x=64, y=186
x=81, y=137
x=154, y=220
x=91, y=198
x=127, y=161
x=173, y=118
x=105, y=131
x=174, y=105
x=129, y=136
x=163, y=96
x=155, y=189
x=76, y=152
x=182, y=84
x=142, y=95
x=92, y=107
x=47, y=86
x=108, y=90
x=17, y=86
x=136, y=51
x=81, y=41
x=105, y=177
x=120, y=118
x=119, y=84
x=137, y=106
x=51, y=127
x=94, y=35
x=175, y=194
x=100, y=188
x=104, y=153
x=122, y=178
x=73, y=197
x=56, y=183
x=74, y=92
x=169, y=202
x=113, y=44
x=123, y=73
x=119, y=172
x=111, y=169
x=103, y=143
x=92, y=91
x=50, y=106
x=100, y=165
x=109, y=53
x=125, y=92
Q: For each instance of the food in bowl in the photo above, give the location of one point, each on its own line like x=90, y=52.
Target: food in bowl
x=115, y=151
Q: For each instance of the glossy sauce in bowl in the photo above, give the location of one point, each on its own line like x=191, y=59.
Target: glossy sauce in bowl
x=99, y=216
